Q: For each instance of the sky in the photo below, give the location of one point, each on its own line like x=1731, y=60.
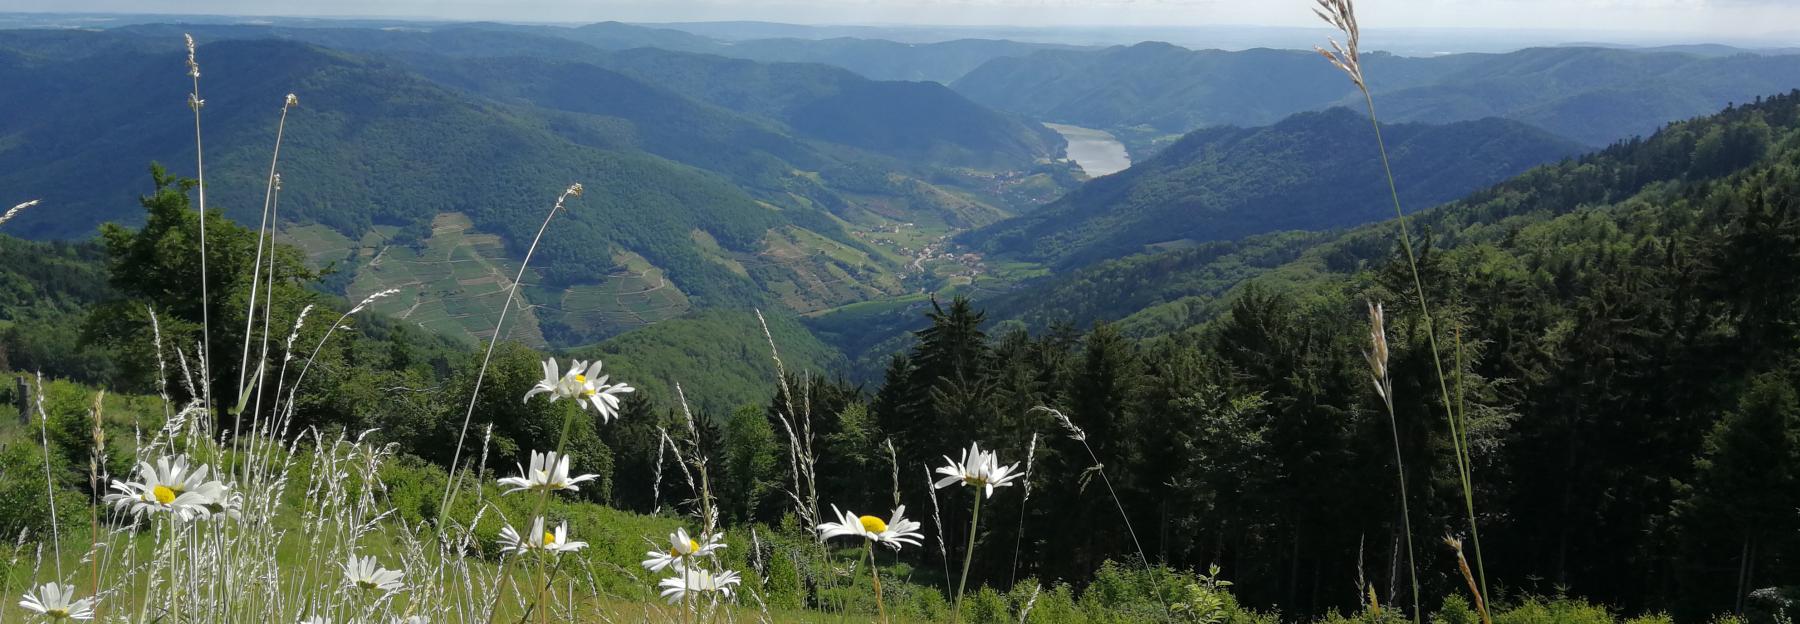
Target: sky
x=1698, y=19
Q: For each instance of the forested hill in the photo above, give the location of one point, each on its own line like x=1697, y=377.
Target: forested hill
x=1228, y=183
x=1164, y=292
x=1593, y=95
x=1618, y=332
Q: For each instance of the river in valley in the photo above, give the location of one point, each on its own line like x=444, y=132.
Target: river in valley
x=1095, y=151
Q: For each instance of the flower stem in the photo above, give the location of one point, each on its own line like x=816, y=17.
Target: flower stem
x=968, y=555
x=876, y=574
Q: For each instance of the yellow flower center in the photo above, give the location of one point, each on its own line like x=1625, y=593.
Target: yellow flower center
x=873, y=524
x=57, y=614
x=580, y=378
x=365, y=584
x=692, y=547
x=163, y=494
x=549, y=538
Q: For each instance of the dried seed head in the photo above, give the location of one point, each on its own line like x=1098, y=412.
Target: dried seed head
x=1347, y=57
x=574, y=190
x=291, y=101
x=193, y=65
x=1075, y=433
x=16, y=210
x=1377, y=355
x=277, y=181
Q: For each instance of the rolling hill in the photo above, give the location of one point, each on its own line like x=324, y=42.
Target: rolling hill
x=377, y=156
x=1228, y=183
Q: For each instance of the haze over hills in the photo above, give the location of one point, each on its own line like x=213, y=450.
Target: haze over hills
x=1593, y=95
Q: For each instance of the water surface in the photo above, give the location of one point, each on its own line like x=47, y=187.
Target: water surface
x=1097, y=152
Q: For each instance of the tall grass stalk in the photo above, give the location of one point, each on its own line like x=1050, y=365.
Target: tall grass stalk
x=265, y=244
x=455, y=482
x=1377, y=357
x=49, y=480
x=196, y=103
x=1341, y=15
x=801, y=461
x=1024, y=505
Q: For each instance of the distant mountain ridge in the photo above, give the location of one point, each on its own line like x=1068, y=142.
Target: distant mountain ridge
x=1593, y=95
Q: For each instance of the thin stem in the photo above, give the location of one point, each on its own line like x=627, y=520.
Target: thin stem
x=481, y=375
x=1405, y=511
x=262, y=234
x=968, y=554
x=1437, y=360
x=200, y=184
x=49, y=482
x=876, y=574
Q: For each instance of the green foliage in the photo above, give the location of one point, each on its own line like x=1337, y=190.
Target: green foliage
x=1559, y=611
x=751, y=456
x=783, y=587
x=720, y=357
x=986, y=607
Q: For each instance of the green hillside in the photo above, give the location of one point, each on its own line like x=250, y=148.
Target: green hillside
x=1228, y=183
x=724, y=208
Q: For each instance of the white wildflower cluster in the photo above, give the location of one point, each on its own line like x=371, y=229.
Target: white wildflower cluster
x=683, y=558
x=584, y=384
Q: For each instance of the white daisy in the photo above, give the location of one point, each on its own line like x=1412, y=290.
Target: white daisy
x=57, y=602
x=549, y=471
x=551, y=541
x=169, y=486
x=893, y=532
x=682, y=549
x=979, y=469
x=364, y=573
x=585, y=384
x=698, y=583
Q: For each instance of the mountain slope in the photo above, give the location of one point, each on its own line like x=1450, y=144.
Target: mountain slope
x=379, y=156
x=1229, y=183
x=1161, y=293
x=903, y=119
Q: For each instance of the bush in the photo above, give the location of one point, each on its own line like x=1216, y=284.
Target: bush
x=986, y=607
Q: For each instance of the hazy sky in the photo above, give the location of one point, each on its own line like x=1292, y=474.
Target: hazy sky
x=1721, y=19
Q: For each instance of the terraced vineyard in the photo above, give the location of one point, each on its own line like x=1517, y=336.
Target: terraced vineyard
x=454, y=281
